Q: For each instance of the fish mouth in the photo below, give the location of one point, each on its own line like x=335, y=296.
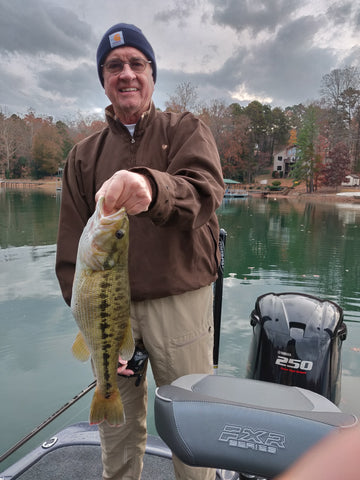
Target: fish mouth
x=109, y=218
x=115, y=223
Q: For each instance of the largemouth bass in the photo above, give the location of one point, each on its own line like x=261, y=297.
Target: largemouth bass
x=101, y=306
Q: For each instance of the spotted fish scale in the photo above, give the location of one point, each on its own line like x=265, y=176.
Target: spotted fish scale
x=101, y=306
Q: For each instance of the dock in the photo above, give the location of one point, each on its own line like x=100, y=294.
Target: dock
x=18, y=184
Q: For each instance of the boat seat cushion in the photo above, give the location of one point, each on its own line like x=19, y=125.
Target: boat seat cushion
x=243, y=425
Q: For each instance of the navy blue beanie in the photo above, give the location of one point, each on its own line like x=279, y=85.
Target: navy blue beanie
x=124, y=35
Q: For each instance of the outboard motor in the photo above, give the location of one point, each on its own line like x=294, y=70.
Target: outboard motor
x=260, y=425
x=297, y=341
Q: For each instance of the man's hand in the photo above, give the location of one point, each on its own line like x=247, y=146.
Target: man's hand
x=126, y=189
x=122, y=370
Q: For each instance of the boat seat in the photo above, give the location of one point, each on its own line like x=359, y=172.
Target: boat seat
x=242, y=425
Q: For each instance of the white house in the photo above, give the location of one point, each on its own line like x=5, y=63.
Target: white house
x=285, y=160
x=351, y=181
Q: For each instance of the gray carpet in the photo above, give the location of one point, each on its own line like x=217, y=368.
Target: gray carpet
x=84, y=463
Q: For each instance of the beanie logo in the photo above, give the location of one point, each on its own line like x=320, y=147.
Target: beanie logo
x=116, y=39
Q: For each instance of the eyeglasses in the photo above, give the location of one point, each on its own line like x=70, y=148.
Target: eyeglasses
x=114, y=67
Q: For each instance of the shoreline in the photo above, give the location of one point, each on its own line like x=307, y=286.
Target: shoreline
x=48, y=185
x=314, y=197
x=51, y=186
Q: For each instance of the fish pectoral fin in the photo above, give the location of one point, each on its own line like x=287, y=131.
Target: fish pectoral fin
x=80, y=349
x=127, y=347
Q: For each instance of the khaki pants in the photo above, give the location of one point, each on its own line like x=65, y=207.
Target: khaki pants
x=177, y=332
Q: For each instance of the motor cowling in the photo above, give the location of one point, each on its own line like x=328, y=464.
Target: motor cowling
x=297, y=340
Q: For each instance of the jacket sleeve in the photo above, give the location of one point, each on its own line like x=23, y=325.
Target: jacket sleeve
x=74, y=213
x=192, y=187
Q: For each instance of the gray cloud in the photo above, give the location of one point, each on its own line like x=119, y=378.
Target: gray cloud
x=339, y=14
x=255, y=15
x=12, y=97
x=66, y=82
x=287, y=66
x=179, y=12
x=290, y=67
x=36, y=26
x=269, y=49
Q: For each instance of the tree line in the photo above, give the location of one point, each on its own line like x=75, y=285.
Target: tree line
x=36, y=146
x=326, y=133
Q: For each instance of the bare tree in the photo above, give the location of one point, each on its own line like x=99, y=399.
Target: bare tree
x=184, y=99
x=12, y=140
x=335, y=84
x=340, y=90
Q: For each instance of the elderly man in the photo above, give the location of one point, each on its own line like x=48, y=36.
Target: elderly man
x=164, y=169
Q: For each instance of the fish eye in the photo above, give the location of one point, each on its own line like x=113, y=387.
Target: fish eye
x=119, y=234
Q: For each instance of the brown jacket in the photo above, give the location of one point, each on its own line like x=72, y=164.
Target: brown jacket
x=173, y=246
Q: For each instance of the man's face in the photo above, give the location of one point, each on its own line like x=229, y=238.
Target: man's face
x=129, y=92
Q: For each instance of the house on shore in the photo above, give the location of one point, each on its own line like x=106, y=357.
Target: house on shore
x=285, y=160
x=351, y=181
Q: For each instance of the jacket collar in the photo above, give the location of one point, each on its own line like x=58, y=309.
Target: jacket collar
x=115, y=124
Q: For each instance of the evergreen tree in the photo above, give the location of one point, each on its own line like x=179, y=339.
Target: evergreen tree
x=308, y=164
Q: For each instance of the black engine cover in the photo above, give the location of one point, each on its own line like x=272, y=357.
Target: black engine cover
x=297, y=341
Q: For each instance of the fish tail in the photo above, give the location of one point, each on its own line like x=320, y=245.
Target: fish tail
x=110, y=409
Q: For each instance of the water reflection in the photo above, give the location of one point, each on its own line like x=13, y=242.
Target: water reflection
x=313, y=245
x=25, y=273
x=37, y=371
x=28, y=217
x=272, y=246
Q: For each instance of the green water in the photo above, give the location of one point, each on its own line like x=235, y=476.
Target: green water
x=272, y=246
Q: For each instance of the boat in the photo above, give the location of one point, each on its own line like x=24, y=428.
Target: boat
x=213, y=428
x=235, y=193
x=233, y=189
x=242, y=427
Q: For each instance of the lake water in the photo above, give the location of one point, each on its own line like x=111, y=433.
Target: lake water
x=272, y=246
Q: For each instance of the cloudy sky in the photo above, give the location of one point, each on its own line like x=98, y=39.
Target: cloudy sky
x=274, y=51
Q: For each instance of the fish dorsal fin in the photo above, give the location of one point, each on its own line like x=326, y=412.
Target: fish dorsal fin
x=127, y=348
x=80, y=349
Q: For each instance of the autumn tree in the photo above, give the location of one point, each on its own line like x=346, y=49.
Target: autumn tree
x=230, y=128
x=292, y=137
x=337, y=166
x=238, y=155
x=217, y=118
x=356, y=142
x=46, y=151
x=84, y=126
x=245, y=136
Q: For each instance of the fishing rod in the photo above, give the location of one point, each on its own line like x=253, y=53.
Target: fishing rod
x=218, y=294
x=46, y=422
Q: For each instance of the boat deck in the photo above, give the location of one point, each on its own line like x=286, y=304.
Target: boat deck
x=75, y=453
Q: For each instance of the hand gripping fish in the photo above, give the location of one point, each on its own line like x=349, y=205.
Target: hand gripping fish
x=101, y=306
